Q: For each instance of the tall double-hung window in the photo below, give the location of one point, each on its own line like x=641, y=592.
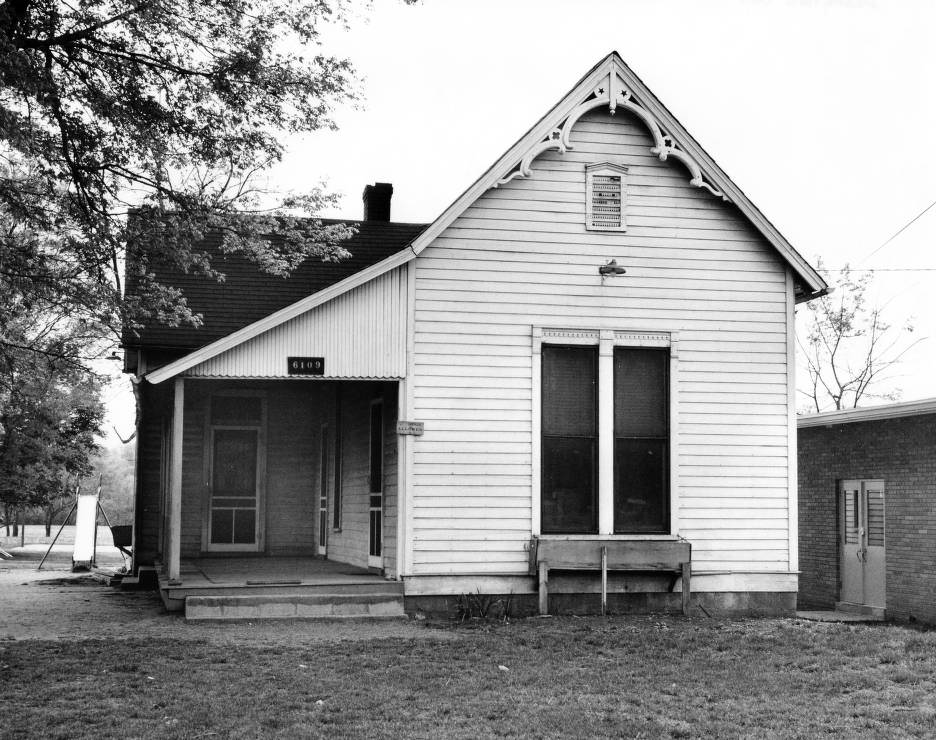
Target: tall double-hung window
x=605, y=439
x=570, y=439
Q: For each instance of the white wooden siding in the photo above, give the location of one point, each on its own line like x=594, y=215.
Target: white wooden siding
x=361, y=334
x=521, y=257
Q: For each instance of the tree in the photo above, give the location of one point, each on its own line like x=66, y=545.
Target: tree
x=49, y=419
x=164, y=109
x=114, y=467
x=848, y=347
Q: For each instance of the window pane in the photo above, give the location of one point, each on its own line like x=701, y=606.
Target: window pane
x=244, y=526
x=236, y=411
x=641, y=489
x=376, y=447
x=222, y=526
x=569, y=379
x=235, y=462
x=375, y=534
x=568, y=486
x=640, y=402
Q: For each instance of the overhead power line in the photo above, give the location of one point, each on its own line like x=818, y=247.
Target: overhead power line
x=899, y=231
x=878, y=269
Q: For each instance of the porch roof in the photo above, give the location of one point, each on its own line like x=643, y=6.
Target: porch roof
x=248, y=294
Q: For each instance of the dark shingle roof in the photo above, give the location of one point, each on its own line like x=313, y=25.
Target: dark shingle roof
x=248, y=294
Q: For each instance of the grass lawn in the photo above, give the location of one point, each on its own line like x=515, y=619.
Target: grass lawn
x=633, y=677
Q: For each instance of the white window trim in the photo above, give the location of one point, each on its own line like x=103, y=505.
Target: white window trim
x=609, y=169
x=606, y=340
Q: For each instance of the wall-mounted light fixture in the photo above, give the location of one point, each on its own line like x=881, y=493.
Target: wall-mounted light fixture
x=611, y=268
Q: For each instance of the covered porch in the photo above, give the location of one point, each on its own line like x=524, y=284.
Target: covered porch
x=266, y=485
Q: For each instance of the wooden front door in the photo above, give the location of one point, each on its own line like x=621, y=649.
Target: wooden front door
x=862, y=545
x=375, y=479
x=323, y=493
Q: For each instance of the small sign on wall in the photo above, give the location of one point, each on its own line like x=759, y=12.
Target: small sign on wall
x=305, y=365
x=414, y=428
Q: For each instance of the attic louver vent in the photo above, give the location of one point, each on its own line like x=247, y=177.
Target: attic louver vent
x=605, y=197
x=606, y=201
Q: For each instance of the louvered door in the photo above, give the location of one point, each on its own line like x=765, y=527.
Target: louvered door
x=862, y=544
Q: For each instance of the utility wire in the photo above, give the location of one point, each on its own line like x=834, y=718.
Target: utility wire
x=899, y=232
x=878, y=269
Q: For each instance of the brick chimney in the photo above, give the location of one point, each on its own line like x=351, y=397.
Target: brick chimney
x=377, y=201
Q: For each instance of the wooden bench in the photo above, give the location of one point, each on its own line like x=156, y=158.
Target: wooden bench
x=672, y=557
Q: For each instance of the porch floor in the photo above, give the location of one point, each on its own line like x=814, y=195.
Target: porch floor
x=272, y=571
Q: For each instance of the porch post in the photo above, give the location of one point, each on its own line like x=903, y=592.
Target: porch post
x=403, y=447
x=606, y=433
x=175, y=481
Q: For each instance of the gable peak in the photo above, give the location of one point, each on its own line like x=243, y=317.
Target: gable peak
x=610, y=83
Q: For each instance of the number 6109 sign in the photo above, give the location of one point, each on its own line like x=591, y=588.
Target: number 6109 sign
x=305, y=365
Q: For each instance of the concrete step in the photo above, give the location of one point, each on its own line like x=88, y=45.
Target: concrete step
x=827, y=615
x=386, y=605
x=189, y=589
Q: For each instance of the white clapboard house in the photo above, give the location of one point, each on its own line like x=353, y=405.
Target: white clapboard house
x=576, y=382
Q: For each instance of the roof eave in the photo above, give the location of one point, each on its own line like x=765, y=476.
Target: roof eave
x=919, y=407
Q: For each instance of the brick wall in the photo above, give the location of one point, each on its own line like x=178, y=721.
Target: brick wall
x=154, y=407
x=902, y=453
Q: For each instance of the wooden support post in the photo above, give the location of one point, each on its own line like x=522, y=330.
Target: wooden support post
x=64, y=522
x=543, y=587
x=604, y=581
x=175, y=483
x=606, y=434
x=686, y=573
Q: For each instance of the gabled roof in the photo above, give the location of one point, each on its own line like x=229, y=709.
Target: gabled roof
x=612, y=83
x=248, y=294
x=609, y=83
x=868, y=413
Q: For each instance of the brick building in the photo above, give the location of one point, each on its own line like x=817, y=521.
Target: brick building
x=867, y=510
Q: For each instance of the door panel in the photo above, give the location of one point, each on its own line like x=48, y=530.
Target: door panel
x=852, y=574
x=874, y=544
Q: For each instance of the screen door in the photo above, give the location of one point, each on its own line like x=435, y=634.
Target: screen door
x=234, y=501
x=234, y=516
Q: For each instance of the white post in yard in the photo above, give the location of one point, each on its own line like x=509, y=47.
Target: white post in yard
x=175, y=482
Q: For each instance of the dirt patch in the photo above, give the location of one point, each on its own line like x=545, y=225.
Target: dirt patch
x=54, y=604
x=73, y=581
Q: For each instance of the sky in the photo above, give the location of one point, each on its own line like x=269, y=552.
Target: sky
x=820, y=111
